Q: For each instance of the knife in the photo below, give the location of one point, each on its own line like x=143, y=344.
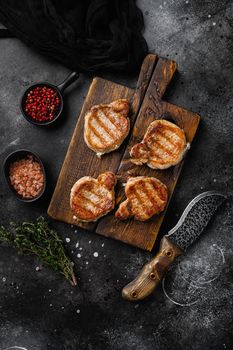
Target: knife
x=189, y=227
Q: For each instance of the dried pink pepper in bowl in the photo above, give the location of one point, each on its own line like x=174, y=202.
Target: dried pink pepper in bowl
x=42, y=103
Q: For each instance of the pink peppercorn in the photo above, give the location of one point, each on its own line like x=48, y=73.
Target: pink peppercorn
x=42, y=104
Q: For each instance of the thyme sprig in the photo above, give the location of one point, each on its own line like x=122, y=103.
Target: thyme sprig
x=39, y=239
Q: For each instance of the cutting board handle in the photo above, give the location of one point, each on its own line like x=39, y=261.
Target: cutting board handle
x=144, y=77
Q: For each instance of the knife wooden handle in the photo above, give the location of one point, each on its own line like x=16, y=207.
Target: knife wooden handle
x=152, y=273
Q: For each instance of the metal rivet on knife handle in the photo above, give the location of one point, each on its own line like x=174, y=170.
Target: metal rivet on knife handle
x=153, y=272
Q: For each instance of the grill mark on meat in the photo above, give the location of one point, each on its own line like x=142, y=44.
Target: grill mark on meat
x=166, y=139
x=159, y=190
x=103, y=126
x=173, y=135
x=110, y=126
x=163, y=145
x=92, y=198
x=95, y=197
x=160, y=145
x=136, y=196
x=153, y=195
x=147, y=198
x=162, y=135
x=154, y=191
x=98, y=137
x=106, y=126
x=83, y=208
x=153, y=153
x=87, y=203
x=140, y=193
x=114, y=118
x=85, y=212
x=100, y=131
x=160, y=154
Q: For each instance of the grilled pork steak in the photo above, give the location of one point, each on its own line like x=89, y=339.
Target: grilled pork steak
x=163, y=146
x=106, y=126
x=92, y=198
x=146, y=196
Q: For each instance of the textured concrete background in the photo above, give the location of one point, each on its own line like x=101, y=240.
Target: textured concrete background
x=39, y=310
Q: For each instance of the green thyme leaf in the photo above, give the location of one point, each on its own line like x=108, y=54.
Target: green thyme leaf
x=39, y=239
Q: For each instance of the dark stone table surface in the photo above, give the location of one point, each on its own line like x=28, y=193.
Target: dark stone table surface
x=194, y=310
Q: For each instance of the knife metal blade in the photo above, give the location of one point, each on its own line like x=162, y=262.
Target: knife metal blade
x=195, y=218
x=189, y=227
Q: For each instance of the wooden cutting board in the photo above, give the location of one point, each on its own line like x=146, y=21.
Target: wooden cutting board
x=146, y=106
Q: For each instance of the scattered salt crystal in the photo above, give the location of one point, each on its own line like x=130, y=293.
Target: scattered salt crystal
x=78, y=311
x=117, y=281
x=75, y=231
x=140, y=326
x=89, y=280
x=89, y=242
x=96, y=254
x=215, y=180
x=62, y=307
x=104, y=256
x=50, y=305
x=87, y=262
x=37, y=268
x=50, y=290
x=4, y=279
x=76, y=245
x=72, y=226
x=80, y=248
x=67, y=239
x=102, y=245
x=136, y=306
x=214, y=23
x=209, y=16
x=79, y=255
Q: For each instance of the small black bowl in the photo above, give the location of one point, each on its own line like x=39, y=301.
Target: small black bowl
x=16, y=155
x=59, y=89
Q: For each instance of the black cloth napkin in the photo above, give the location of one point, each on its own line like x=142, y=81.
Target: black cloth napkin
x=84, y=35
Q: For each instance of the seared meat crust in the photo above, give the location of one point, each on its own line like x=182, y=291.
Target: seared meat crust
x=106, y=126
x=90, y=198
x=163, y=146
x=146, y=196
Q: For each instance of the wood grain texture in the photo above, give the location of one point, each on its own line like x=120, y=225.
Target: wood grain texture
x=144, y=234
x=80, y=160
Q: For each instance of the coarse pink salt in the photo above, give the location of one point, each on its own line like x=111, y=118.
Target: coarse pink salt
x=26, y=177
